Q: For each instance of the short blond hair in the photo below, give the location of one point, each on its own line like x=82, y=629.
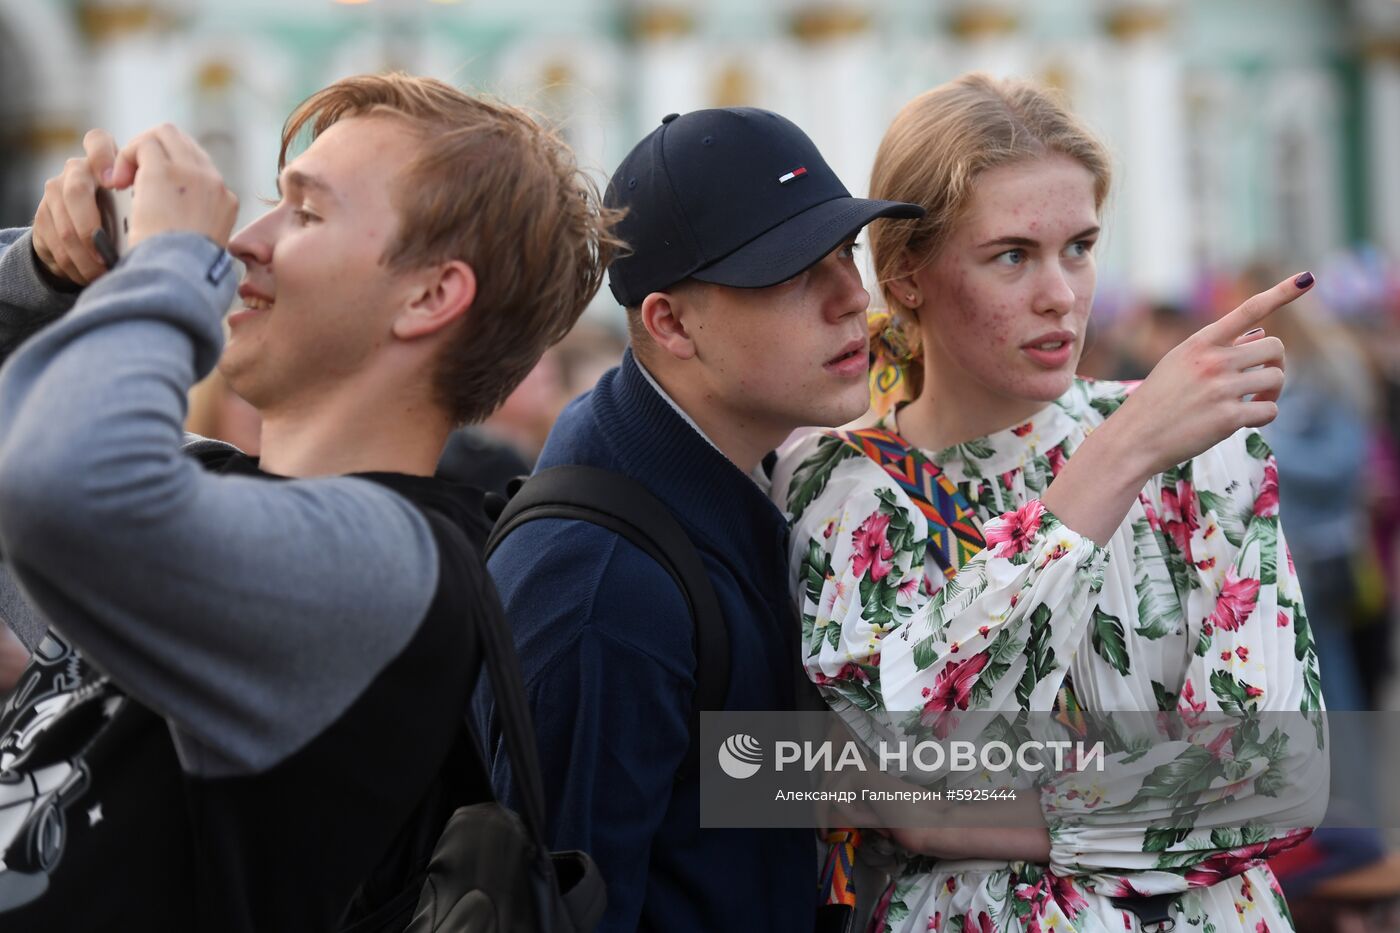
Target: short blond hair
x=942, y=140
x=496, y=189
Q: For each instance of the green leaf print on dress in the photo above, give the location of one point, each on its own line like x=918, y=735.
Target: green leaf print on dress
x=885, y=534
x=1106, y=634
x=1040, y=657
x=812, y=476
x=1158, y=602
x=1232, y=520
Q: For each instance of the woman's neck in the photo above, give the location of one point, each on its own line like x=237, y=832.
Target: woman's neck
x=944, y=415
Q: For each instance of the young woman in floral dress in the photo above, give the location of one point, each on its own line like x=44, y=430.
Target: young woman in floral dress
x=1139, y=554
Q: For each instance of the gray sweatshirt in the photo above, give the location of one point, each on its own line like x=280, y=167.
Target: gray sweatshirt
x=249, y=613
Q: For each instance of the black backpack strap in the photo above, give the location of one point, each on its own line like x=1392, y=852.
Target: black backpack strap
x=517, y=729
x=625, y=507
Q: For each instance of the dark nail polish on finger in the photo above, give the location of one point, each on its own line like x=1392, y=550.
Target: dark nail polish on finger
x=1251, y=333
x=103, y=244
x=1304, y=280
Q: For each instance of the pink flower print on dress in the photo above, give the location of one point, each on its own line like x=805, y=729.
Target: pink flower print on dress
x=1179, y=516
x=1154, y=521
x=850, y=671
x=1216, y=747
x=1023, y=429
x=1236, y=601
x=950, y=691
x=1012, y=533
x=1058, y=889
x=1056, y=457
x=1266, y=503
x=1124, y=888
x=1190, y=709
x=872, y=550
x=1224, y=865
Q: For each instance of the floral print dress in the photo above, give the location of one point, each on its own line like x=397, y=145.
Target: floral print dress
x=1192, y=607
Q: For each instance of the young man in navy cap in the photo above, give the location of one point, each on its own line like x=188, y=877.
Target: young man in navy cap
x=747, y=319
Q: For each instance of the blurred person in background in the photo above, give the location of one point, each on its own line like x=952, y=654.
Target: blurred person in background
x=1376, y=330
x=506, y=445
x=1148, y=336
x=525, y=417
x=1098, y=587
x=1341, y=880
x=1322, y=439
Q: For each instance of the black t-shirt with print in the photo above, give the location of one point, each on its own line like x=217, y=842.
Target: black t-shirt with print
x=101, y=828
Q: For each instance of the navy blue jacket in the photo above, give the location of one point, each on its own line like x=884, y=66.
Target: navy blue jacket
x=606, y=646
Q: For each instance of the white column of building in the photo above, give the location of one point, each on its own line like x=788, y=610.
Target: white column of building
x=1378, y=25
x=1152, y=203
x=137, y=73
x=668, y=63
x=989, y=38
x=44, y=111
x=837, y=61
x=1382, y=123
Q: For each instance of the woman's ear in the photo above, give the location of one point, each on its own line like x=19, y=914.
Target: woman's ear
x=907, y=293
x=906, y=289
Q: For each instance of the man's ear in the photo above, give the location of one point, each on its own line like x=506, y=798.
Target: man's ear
x=443, y=294
x=664, y=316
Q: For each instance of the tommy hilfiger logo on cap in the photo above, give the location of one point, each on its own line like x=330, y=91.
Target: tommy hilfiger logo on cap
x=795, y=173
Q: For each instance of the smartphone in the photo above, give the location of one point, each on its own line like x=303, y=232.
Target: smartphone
x=111, y=239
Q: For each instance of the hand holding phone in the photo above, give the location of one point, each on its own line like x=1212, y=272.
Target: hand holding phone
x=68, y=217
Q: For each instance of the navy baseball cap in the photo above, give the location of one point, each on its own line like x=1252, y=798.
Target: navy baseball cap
x=736, y=196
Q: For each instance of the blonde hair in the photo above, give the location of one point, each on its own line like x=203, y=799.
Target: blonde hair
x=932, y=155
x=495, y=189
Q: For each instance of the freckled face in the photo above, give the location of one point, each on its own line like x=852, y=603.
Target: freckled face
x=317, y=300
x=1006, y=301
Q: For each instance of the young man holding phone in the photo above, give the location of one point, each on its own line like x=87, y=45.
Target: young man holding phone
x=247, y=712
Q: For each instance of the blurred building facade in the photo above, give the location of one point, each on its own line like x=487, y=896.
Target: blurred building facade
x=1241, y=128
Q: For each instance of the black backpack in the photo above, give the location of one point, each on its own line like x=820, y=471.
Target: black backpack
x=625, y=507
x=491, y=870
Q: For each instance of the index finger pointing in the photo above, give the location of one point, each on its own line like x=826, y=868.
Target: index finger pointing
x=1253, y=312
